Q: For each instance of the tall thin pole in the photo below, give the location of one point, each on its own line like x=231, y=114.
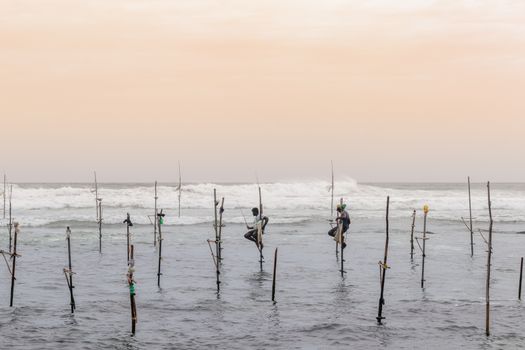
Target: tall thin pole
x=521, y=278
x=274, y=275
x=216, y=228
x=160, y=222
x=3, y=193
x=341, y=241
x=14, y=255
x=412, y=235
x=70, y=270
x=10, y=225
x=489, y=258
x=96, y=196
x=259, y=235
x=99, y=225
x=128, y=234
x=180, y=187
x=383, y=267
x=332, y=190
x=219, y=242
x=131, y=284
x=470, y=214
x=425, y=210
x=155, y=218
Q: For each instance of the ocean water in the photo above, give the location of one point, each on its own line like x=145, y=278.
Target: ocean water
x=316, y=307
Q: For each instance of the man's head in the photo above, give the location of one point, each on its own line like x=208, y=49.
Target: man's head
x=339, y=208
x=255, y=211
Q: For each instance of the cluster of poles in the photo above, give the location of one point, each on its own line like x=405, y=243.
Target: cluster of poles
x=215, y=245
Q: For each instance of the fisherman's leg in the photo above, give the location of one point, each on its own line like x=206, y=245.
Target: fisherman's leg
x=343, y=237
x=250, y=235
x=332, y=232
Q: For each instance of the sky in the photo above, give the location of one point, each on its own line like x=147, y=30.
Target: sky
x=391, y=91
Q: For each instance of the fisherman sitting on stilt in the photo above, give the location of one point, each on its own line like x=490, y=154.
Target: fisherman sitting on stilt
x=252, y=233
x=345, y=220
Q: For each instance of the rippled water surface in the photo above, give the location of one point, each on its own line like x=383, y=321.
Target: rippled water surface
x=316, y=308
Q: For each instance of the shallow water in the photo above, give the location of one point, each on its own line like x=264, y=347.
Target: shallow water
x=316, y=307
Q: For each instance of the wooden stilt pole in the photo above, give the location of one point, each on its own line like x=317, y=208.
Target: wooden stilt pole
x=69, y=272
x=521, y=278
x=217, y=250
x=180, y=187
x=260, y=234
x=470, y=215
x=10, y=224
x=100, y=225
x=160, y=222
x=425, y=210
x=274, y=275
x=155, y=218
x=13, y=269
x=489, y=259
x=128, y=236
x=412, y=235
x=4, y=193
x=131, y=284
x=219, y=242
x=383, y=267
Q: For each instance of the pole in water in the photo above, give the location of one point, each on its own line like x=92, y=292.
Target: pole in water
x=425, y=211
x=521, y=277
x=219, y=242
x=470, y=214
x=155, y=218
x=180, y=187
x=489, y=258
x=412, y=235
x=260, y=229
x=10, y=220
x=131, y=284
x=99, y=200
x=160, y=222
x=216, y=227
x=14, y=255
x=128, y=239
x=3, y=193
x=69, y=271
x=383, y=267
x=274, y=275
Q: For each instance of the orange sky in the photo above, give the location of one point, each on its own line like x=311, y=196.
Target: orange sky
x=424, y=91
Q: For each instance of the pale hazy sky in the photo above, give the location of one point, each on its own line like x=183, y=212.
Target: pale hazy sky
x=390, y=90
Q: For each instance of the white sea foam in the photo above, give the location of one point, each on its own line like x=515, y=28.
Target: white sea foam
x=285, y=202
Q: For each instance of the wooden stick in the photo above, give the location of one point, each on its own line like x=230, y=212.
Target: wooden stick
x=180, y=187
x=274, y=275
x=332, y=190
x=3, y=193
x=470, y=213
x=14, y=255
x=412, y=235
x=216, y=228
x=128, y=239
x=489, y=258
x=425, y=210
x=521, y=277
x=383, y=267
x=131, y=284
x=259, y=236
x=10, y=225
x=155, y=218
x=99, y=225
x=96, y=195
x=160, y=218
x=219, y=243
x=70, y=270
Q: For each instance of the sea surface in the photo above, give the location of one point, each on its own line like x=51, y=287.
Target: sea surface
x=317, y=306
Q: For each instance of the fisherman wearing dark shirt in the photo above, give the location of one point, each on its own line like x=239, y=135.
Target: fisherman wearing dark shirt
x=344, y=218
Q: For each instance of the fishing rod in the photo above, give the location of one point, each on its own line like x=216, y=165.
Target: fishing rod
x=180, y=187
x=155, y=216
